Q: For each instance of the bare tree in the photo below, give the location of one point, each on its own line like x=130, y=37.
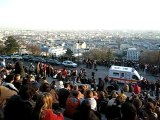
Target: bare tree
x=150, y=57
x=97, y=54
x=34, y=49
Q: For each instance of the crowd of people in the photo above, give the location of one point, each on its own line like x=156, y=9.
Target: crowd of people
x=26, y=94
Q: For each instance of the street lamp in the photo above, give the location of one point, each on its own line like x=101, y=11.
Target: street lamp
x=158, y=59
x=78, y=51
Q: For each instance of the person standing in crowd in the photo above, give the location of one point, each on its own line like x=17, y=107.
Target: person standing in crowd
x=37, y=69
x=19, y=68
x=5, y=94
x=31, y=69
x=3, y=63
x=137, y=89
x=47, y=88
x=72, y=103
x=43, y=109
x=64, y=73
x=8, y=82
x=17, y=81
x=102, y=85
x=63, y=94
x=85, y=112
x=150, y=109
x=106, y=79
x=89, y=96
x=157, y=85
x=95, y=64
x=128, y=111
x=19, y=107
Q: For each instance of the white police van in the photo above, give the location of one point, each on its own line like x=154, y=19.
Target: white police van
x=124, y=74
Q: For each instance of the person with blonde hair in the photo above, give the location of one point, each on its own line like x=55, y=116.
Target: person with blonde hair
x=43, y=109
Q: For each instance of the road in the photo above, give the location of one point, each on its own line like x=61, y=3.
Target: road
x=103, y=72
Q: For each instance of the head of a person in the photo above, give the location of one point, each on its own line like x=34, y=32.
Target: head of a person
x=121, y=98
x=137, y=103
x=44, y=101
x=67, y=86
x=26, y=81
x=26, y=92
x=126, y=88
x=128, y=111
x=31, y=77
x=35, y=86
x=45, y=87
x=84, y=88
x=100, y=79
x=85, y=106
x=95, y=93
x=114, y=94
x=76, y=94
x=89, y=94
x=150, y=107
x=53, y=84
x=17, y=77
x=9, y=78
x=103, y=94
x=75, y=87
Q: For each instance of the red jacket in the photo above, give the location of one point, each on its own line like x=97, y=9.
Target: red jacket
x=71, y=106
x=137, y=89
x=64, y=73
x=50, y=115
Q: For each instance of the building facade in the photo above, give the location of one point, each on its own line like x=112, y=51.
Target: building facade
x=133, y=54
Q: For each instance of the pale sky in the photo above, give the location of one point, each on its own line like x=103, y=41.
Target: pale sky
x=80, y=14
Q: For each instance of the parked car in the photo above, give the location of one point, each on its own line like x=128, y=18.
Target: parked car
x=68, y=63
x=37, y=59
x=5, y=57
x=16, y=57
x=53, y=62
x=26, y=57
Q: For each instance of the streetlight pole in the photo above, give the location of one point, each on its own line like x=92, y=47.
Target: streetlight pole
x=78, y=51
x=158, y=59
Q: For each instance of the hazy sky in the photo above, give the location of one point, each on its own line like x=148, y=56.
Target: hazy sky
x=80, y=14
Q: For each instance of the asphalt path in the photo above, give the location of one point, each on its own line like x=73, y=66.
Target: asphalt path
x=101, y=72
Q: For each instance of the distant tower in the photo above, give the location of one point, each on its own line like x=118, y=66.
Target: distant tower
x=119, y=44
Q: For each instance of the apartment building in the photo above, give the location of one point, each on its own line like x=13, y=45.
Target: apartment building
x=133, y=54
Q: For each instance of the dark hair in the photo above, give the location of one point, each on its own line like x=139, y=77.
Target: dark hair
x=75, y=93
x=9, y=78
x=150, y=107
x=86, y=113
x=128, y=111
x=26, y=81
x=66, y=85
x=26, y=92
x=137, y=103
x=45, y=87
x=85, y=106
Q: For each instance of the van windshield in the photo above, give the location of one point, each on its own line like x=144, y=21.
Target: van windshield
x=135, y=77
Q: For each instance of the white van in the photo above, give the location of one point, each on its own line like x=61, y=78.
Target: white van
x=124, y=74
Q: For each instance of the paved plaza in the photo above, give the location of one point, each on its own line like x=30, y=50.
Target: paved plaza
x=103, y=72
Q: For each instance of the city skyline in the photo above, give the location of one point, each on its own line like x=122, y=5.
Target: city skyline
x=80, y=14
